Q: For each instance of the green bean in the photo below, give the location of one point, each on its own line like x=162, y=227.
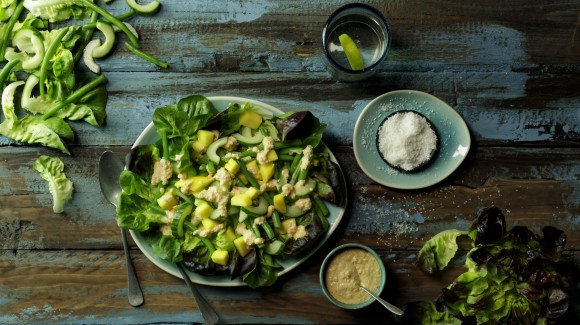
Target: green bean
x=146, y=56
x=8, y=29
x=276, y=220
x=269, y=232
x=247, y=174
x=321, y=206
x=79, y=93
x=6, y=70
x=47, y=56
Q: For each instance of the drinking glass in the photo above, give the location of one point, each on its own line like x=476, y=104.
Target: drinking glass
x=369, y=31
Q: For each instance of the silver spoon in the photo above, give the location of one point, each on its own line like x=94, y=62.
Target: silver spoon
x=395, y=310
x=110, y=167
x=207, y=311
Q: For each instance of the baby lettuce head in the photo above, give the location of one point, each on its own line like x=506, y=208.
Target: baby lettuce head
x=515, y=277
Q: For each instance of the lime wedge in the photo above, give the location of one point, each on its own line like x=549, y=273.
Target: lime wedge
x=352, y=53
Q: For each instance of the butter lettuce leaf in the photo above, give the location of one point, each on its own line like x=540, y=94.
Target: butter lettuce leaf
x=438, y=251
x=61, y=188
x=33, y=129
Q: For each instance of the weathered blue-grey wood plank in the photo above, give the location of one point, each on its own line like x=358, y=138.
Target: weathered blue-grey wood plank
x=490, y=114
x=89, y=287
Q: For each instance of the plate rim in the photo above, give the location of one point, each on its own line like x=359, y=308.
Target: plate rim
x=201, y=279
x=458, y=120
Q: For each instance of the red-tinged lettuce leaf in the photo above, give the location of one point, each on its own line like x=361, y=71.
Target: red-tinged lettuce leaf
x=553, y=242
x=489, y=227
x=512, y=278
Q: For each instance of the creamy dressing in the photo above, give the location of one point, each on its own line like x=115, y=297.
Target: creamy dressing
x=347, y=271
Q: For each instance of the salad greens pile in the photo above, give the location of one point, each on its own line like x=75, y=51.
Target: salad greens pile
x=55, y=87
x=44, y=59
x=230, y=192
x=514, y=277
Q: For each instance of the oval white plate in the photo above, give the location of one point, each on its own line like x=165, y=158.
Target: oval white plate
x=149, y=135
x=454, y=139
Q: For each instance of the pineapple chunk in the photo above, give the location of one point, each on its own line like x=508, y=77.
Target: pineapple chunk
x=272, y=155
x=288, y=226
x=198, y=147
x=203, y=209
x=279, y=203
x=208, y=223
x=230, y=233
x=267, y=171
x=205, y=137
x=241, y=200
x=242, y=178
x=220, y=257
x=241, y=246
x=253, y=168
x=193, y=184
x=232, y=166
x=253, y=192
x=167, y=201
x=251, y=119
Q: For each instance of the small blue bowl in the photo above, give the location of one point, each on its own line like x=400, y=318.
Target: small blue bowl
x=327, y=260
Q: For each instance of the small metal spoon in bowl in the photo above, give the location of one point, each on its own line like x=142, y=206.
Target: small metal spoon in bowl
x=395, y=310
x=110, y=167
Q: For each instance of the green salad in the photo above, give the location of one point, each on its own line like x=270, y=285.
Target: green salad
x=230, y=192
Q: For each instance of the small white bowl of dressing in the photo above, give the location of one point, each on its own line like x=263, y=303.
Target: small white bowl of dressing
x=345, y=269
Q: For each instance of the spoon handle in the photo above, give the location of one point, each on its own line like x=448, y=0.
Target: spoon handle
x=207, y=311
x=395, y=310
x=135, y=293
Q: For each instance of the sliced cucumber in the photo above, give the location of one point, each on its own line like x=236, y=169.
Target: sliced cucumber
x=8, y=103
x=29, y=41
x=26, y=100
x=257, y=210
x=129, y=27
x=247, y=138
x=7, y=12
x=88, y=58
x=213, y=147
x=145, y=9
x=243, y=216
x=306, y=188
x=293, y=211
x=106, y=47
x=274, y=248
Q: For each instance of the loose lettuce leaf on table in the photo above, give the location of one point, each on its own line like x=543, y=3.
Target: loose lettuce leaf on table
x=61, y=188
x=438, y=251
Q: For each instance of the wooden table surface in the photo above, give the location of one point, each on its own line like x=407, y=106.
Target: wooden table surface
x=511, y=69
